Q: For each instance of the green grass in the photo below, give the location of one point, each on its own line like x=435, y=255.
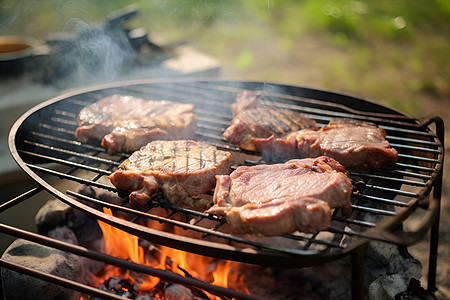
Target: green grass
x=393, y=51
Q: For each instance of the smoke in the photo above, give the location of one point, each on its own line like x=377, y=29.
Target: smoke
x=88, y=53
x=78, y=53
x=95, y=54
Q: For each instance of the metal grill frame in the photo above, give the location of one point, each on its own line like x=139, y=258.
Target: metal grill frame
x=408, y=135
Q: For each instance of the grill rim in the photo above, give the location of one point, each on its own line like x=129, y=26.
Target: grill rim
x=307, y=258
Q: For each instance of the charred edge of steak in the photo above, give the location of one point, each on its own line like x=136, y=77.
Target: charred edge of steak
x=142, y=187
x=182, y=169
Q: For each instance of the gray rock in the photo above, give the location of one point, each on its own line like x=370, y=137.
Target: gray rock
x=385, y=259
x=56, y=213
x=64, y=234
x=143, y=297
x=41, y=258
x=178, y=291
x=386, y=287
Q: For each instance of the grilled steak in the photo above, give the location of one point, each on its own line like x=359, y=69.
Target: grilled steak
x=126, y=123
x=251, y=120
x=182, y=169
x=282, y=198
x=355, y=144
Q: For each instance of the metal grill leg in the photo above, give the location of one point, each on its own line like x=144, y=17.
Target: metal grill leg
x=434, y=238
x=358, y=273
x=434, y=233
x=433, y=257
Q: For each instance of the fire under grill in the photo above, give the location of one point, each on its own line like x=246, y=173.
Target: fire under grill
x=42, y=142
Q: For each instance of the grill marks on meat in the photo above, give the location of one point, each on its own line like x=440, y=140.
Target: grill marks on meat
x=267, y=200
x=182, y=169
x=126, y=123
x=277, y=199
x=251, y=120
x=359, y=145
x=355, y=144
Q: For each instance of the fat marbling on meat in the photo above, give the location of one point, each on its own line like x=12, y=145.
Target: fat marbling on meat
x=277, y=199
x=126, y=123
x=181, y=169
x=355, y=144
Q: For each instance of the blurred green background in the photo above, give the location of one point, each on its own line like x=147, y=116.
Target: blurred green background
x=394, y=52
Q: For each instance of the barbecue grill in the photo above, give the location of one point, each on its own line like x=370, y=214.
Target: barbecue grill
x=42, y=143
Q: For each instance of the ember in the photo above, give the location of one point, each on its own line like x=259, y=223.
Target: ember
x=130, y=284
x=118, y=286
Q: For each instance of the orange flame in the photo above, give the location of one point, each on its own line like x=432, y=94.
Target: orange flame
x=125, y=246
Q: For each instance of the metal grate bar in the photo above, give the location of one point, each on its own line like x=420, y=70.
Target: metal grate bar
x=374, y=210
x=408, y=131
x=376, y=193
x=100, y=171
x=354, y=221
x=407, y=174
x=373, y=176
x=76, y=154
x=415, y=148
x=65, y=113
x=188, y=226
x=57, y=129
x=419, y=158
x=64, y=121
x=411, y=140
x=71, y=142
x=21, y=198
x=312, y=240
x=353, y=233
x=413, y=167
x=381, y=200
x=67, y=163
x=73, y=178
x=391, y=190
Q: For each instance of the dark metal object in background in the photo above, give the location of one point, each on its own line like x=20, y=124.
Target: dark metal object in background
x=104, y=51
x=94, y=51
x=42, y=142
x=15, y=53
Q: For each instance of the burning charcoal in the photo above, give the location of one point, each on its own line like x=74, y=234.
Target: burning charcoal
x=415, y=291
x=118, y=286
x=40, y=258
